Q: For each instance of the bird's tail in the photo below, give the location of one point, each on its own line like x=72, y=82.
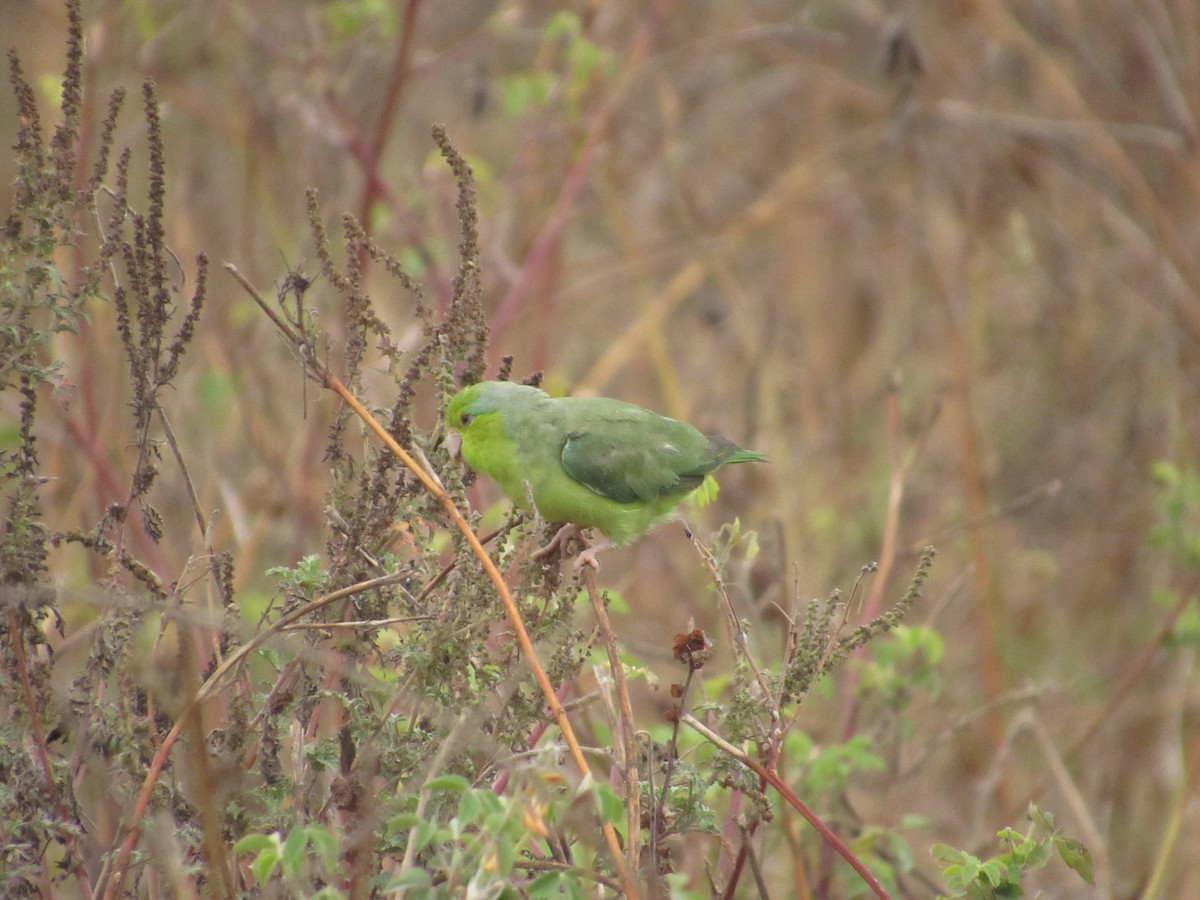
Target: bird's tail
x=740, y=456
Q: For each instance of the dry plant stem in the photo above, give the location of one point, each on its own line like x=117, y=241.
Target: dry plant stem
x=109, y=484
x=1133, y=675
x=755, y=867
x=201, y=778
x=1079, y=809
x=194, y=499
x=1136, y=670
x=431, y=484
x=16, y=635
x=739, y=637
x=1104, y=148
x=633, y=805
x=901, y=468
x=598, y=118
x=401, y=66
x=1184, y=794
x=371, y=623
x=660, y=806
x=115, y=871
x=949, y=279
x=1050, y=489
x=795, y=802
x=735, y=626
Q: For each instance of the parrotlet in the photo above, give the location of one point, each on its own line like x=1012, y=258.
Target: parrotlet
x=590, y=462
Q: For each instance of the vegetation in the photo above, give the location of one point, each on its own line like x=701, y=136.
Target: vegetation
x=941, y=271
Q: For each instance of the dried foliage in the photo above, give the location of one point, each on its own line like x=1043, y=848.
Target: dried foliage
x=938, y=261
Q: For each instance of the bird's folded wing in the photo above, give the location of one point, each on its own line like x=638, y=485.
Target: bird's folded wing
x=628, y=462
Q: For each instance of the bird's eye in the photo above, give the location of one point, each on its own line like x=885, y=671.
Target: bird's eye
x=465, y=419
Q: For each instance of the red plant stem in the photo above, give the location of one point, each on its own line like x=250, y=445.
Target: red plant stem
x=794, y=801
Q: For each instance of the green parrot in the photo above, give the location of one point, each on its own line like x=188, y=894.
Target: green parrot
x=591, y=462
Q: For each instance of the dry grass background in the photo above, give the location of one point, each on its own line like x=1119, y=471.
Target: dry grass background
x=951, y=247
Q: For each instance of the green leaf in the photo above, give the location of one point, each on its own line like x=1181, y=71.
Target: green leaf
x=969, y=867
x=1077, y=857
x=403, y=822
x=292, y=854
x=448, y=783
x=324, y=843
x=609, y=804
x=424, y=834
x=548, y=885
x=1038, y=855
x=412, y=879
x=994, y=871
x=256, y=843
x=264, y=864
x=469, y=808
x=1043, y=819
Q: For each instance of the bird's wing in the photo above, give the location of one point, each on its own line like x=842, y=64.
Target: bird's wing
x=636, y=455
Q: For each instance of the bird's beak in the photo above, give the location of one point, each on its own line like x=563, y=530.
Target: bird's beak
x=454, y=444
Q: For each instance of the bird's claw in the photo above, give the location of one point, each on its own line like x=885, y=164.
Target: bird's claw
x=559, y=542
x=587, y=557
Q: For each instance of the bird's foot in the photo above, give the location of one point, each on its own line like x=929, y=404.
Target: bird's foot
x=561, y=540
x=561, y=543
x=587, y=556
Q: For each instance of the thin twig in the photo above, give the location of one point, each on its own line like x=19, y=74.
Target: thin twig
x=790, y=796
x=633, y=807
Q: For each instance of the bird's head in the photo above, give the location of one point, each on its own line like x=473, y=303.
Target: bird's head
x=476, y=413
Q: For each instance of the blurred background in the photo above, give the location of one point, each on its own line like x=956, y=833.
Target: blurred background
x=940, y=261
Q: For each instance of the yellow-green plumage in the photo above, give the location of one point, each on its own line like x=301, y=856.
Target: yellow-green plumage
x=590, y=461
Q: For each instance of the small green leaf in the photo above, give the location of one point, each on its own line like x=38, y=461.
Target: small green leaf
x=609, y=804
x=403, y=822
x=424, y=834
x=1077, y=857
x=994, y=871
x=469, y=808
x=292, y=854
x=448, y=783
x=969, y=867
x=1038, y=855
x=413, y=879
x=547, y=885
x=1043, y=819
x=264, y=864
x=324, y=844
x=256, y=843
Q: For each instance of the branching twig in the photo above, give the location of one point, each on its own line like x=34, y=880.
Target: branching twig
x=789, y=795
x=627, y=733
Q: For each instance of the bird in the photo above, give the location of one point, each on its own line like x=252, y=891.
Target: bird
x=588, y=462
